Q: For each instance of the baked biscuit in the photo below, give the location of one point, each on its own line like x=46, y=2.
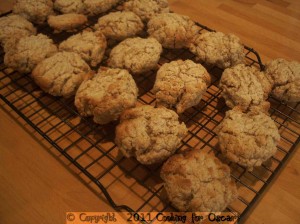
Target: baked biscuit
x=26, y=53
x=35, y=11
x=180, y=84
x=216, y=48
x=89, y=45
x=120, y=25
x=249, y=138
x=172, y=30
x=285, y=78
x=67, y=22
x=137, y=55
x=146, y=9
x=70, y=6
x=197, y=181
x=244, y=86
x=14, y=27
x=96, y=7
x=149, y=134
x=61, y=74
x=106, y=95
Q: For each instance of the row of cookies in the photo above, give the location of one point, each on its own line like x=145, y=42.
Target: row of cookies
x=170, y=29
x=281, y=74
x=225, y=51
x=68, y=15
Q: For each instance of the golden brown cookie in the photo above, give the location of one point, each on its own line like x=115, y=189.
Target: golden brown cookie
x=26, y=53
x=35, y=11
x=180, y=84
x=146, y=9
x=249, y=138
x=120, y=25
x=96, y=7
x=14, y=27
x=172, y=30
x=70, y=6
x=89, y=45
x=61, y=74
x=67, y=22
x=137, y=55
x=244, y=86
x=216, y=48
x=196, y=181
x=285, y=78
x=106, y=95
x=149, y=134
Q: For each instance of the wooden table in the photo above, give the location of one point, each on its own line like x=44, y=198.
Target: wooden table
x=37, y=185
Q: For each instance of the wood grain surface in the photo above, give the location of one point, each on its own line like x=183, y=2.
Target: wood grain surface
x=38, y=185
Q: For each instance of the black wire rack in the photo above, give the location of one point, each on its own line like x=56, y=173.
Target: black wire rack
x=90, y=147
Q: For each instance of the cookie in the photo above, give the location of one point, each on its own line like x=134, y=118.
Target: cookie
x=89, y=45
x=137, y=55
x=180, y=84
x=197, y=181
x=285, y=78
x=120, y=25
x=96, y=7
x=14, y=27
x=149, y=134
x=67, y=22
x=244, y=86
x=70, y=6
x=61, y=74
x=106, y=95
x=35, y=11
x=172, y=30
x=249, y=138
x=146, y=9
x=216, y=48
x=26, y=53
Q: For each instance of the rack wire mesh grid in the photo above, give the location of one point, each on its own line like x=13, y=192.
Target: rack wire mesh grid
x=91, y=147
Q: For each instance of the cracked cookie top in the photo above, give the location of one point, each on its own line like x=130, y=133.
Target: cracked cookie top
x=89, y=45
x=120, y=25
x=216, y=48
x=35, y=11
x=67, y=22
x=96, y=7
x=26, y=53
x=15, y=27
x=198, y=181
x=137, y=55
x=61, y=74
x=106, y=95
x=285, y=78
x=249, y=138
x=172, y=30
x=244, y=86
x=146, y=9
x=149, y=134
x=180, y=84
x=70, y=6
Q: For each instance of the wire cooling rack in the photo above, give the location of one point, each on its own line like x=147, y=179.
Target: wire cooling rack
x=90, y=147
